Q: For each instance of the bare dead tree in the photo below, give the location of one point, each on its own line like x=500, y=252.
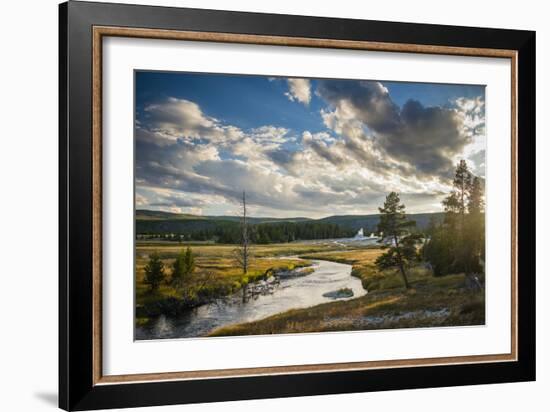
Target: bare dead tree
x=242, y=253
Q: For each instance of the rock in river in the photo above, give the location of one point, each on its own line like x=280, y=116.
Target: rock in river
x=339, y=294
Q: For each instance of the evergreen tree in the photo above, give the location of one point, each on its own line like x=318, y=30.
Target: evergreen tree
x=474, y=230
x=178, y=269
x=438, y=250
x=154, y=271
x=456, y=206
x=189, y=261
x=458, y=245
x=475, y=197
x=457, y=202
x=182, y=267
x=401, y=250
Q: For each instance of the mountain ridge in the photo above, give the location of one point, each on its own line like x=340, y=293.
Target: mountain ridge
x=168, y=221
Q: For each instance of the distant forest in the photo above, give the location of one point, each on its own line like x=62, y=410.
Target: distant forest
x=222, y=229
x=263, y=233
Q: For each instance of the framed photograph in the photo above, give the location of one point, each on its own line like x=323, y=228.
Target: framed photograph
x=257, y=206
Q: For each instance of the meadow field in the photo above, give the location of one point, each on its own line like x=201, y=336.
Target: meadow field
x=216, y=274
x=430, y=301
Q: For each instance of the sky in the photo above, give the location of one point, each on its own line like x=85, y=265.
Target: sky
x=300, y=147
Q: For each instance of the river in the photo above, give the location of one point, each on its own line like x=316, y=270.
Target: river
x=292, y=293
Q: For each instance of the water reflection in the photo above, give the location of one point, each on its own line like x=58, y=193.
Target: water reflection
x=292, y=293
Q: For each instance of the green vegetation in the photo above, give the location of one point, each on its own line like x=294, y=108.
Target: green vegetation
x=363, y=267
x=182, y=267
x=369, y=223
x=430, y=301
x=457, y=244
x=154, y=272
x=401, y=251
x=151, y=225
x=291, y=231
x=214, y=273
x=224, y=231
x=443, y=306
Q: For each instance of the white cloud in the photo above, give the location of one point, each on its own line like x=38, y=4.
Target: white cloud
x=299, y=90
x=182, y=119
x=414, y=139
x=269, y=134
x=193, y=163
x=471, y=113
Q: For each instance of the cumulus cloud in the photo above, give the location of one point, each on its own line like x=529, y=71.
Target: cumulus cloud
x=270, y=134
x=189, y=161
x=366, y=101
x=318, y=142
x=427, y=139
x=182, y=119
x=472, y=113
x=299, y=90
x=423, y=140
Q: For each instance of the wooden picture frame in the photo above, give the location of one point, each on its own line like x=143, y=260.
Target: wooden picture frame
x=83, y=26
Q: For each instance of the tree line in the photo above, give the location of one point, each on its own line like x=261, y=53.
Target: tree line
x=260, y=233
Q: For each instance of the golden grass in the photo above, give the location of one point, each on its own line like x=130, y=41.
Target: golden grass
x=217, y=264
x=364, y=268
x=432, y=301
x=378, y=310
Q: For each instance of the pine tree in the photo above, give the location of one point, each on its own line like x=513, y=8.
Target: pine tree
x=456, y=206
x=475, y=197
x=474, y=230
x=457, y=202
x=182, y=267
x=189, y=261
x=438, y=250
x=401, y=251
x=178, y=269
x=154, y=271
x=458, y=245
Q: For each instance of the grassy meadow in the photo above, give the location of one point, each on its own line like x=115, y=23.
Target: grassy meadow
x=431, y=301
x=216, y=273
